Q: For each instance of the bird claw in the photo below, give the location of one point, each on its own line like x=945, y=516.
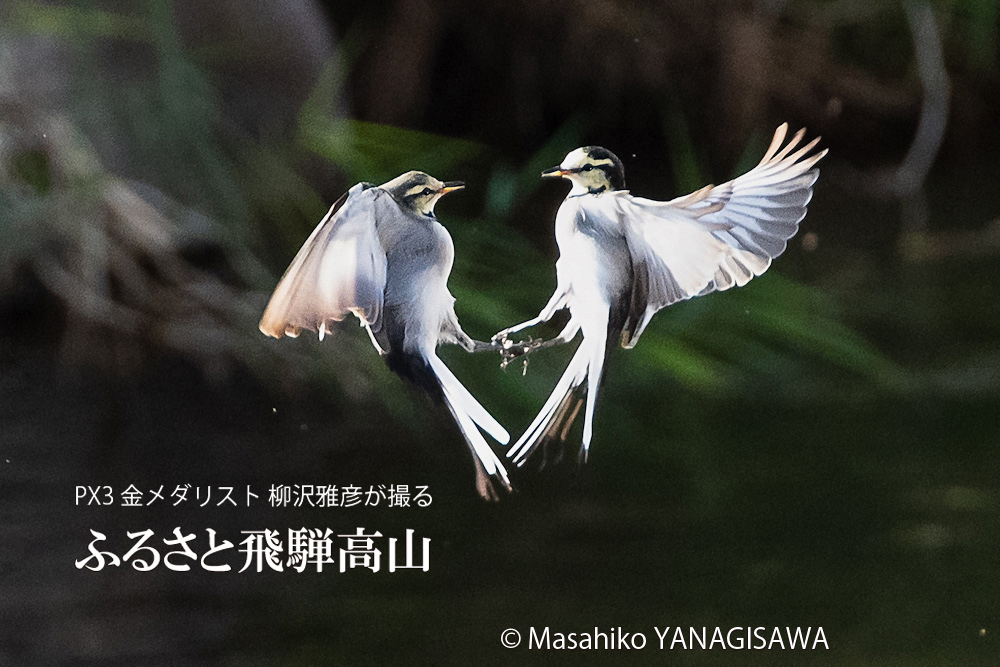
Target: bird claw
x=501, y=337
x=509, y=351
x=506, y=361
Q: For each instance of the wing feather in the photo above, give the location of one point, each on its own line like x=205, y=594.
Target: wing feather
x=719, y=236
x=340, y=269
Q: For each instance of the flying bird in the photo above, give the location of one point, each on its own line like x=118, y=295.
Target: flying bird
x=623, y=258
x=381, y=255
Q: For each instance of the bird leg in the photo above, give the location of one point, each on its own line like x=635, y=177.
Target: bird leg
x=505, y=347
x=512, y=350
x=509, y=350
x=556, y=302
x=371, y=334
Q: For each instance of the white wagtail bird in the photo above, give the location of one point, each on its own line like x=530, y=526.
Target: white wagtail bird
x=381, y=255
x=623, y=258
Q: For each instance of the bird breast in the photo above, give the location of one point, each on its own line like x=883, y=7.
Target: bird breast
x=418, y=263
x=593, y=254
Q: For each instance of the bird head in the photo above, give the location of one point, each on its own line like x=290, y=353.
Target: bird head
x=590, y=169
x=418, y=191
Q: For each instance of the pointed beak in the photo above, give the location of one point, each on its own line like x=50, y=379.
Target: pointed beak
x=451, y=186
x=554, y=172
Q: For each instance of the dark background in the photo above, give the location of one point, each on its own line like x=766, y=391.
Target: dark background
x=815, y=449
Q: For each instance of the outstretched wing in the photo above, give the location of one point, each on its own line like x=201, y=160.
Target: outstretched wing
x=719, y=236
x=339, y=270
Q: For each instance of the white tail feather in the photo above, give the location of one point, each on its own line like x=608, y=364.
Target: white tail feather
x=466, y=401
x=572, y=377
x=487, y=463
x=464, y=409
x=595, y=370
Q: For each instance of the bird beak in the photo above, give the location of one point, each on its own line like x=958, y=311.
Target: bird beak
x=451, y=186
x=554, y=172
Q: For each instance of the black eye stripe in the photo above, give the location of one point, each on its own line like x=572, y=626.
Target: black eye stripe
x=422, y=193
x=606, y=168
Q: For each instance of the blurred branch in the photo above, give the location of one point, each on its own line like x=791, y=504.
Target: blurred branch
x=934, y=113
x=76, y=23
x=908, y=177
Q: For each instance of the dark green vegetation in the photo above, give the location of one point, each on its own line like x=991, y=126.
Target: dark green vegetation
x=818, y=448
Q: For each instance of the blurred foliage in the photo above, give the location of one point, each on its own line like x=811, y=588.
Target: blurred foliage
x=157, y=221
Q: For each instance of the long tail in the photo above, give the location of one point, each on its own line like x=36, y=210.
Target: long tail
x=553, y=421
x=468, y=413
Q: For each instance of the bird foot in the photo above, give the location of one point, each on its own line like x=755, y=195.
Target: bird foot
x=509, y=350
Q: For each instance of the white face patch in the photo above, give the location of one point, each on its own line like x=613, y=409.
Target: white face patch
x=578, y=158
x=574, y=159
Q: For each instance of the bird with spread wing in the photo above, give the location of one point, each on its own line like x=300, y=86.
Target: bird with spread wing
x=381, y=255
x=622, y=258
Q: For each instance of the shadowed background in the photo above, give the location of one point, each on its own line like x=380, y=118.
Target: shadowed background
x=816, y=448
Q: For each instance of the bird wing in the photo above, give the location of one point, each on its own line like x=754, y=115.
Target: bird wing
x=340, y=269
x=719, y=236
